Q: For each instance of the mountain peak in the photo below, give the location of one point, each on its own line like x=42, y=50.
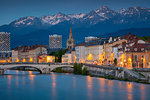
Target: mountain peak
x=95, y=16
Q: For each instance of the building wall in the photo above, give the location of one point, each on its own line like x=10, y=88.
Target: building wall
x=67, y=58
x=5, y=57
x=4, y=41
x=28, y=56
x=138, y=59
x=55, y=41
x=80, y=54
x=108, y=49
x=115, y=52
x=73, y=56
x=92, y=54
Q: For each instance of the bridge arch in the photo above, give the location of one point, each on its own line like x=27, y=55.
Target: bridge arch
x=54, y=67
x=18, y=66
x=39, y=70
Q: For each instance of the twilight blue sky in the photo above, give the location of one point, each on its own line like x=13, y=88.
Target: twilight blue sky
x=14, y=9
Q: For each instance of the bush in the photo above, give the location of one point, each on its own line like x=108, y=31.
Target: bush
x=85, y=71
x=77, y=68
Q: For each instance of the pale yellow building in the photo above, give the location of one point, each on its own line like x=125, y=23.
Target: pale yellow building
x=69, y=57
x=28, y=53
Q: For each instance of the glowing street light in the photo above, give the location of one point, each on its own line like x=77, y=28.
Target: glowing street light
x=90, y=56
x=31, y=59
x=24, y=60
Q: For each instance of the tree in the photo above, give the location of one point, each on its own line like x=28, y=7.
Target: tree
x=85, y=71
x=58, y=55
x=77, y=68
x=115, y=61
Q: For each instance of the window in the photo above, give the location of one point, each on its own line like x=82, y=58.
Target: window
x=142, y=49
x=135, y=49
x=136, y=58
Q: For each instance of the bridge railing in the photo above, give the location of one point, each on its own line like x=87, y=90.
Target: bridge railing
x=105, y=67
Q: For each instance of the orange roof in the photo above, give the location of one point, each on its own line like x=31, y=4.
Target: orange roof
x=82, y=44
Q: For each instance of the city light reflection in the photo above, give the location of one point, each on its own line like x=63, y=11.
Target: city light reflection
x=17, y=71
x=129, y=90
x=142, y=91
x=9, y=78
x=89, y=85
x=31, y=76
x=110, y=83
x=102, y=84
x=53, y=84
x=74, y=82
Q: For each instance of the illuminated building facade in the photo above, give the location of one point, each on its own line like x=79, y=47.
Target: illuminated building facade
x=111, y=49
x=28, y=53
x=138, y=56
x=128, y=51
x=69, y=56
x=46, y=58
x=94, y=51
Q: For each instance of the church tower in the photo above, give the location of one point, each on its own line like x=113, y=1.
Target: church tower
x=70, y=41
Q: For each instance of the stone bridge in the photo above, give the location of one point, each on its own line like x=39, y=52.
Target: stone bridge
x=43, y=68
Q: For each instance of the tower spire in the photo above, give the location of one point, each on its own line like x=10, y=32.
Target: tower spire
x=70, y=35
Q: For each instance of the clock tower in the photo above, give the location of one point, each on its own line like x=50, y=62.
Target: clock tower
x=70, y=41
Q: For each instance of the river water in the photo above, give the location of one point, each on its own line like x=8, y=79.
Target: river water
x=28, y=85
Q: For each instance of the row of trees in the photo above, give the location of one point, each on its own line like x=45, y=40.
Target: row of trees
x=77, y=69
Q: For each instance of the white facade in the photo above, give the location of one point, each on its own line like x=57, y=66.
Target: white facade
x=80, y=54
x=115, y=52
x=14, y=56
x=92, y=53
x=90, y=38
x=69, y=57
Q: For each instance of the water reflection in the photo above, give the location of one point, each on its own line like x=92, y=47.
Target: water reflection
x=89, y=86
x=102, y=85
x=74, y=82
x=9, y=78
x=17, y=71
x=129, y=87
x=110, y=83
x=23, y=72
x=142, y=91
x=53, y=84
x=17, y=83
x=84, y=87
x=31, y=76
x=120, y=84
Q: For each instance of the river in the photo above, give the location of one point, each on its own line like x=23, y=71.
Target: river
x=28, y=85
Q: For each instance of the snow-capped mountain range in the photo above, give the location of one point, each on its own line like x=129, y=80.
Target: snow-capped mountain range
x=103, y=14
x=35, y=30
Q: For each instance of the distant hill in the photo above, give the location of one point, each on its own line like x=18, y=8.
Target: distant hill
x=136, y=31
